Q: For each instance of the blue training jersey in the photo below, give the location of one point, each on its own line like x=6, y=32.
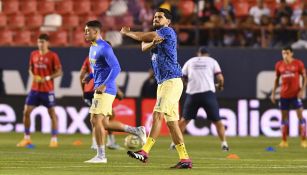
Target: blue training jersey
x=105, y=66
x=164, y=56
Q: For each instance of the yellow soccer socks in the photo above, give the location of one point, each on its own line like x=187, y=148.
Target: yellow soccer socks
x=148, y=145
x=183, y=154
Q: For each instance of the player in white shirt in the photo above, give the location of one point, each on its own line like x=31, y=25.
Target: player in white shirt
x=199, y=73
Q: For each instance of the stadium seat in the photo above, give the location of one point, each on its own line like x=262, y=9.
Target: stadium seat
x=186, y=7
x=34, y=36
x=241, y=8
x=78, y=38
x=82, y=7
x=64, y=7
x=34, y=20
x=45, y=7
x=100, y=7
x=28, y=6
x=10, y=6
x=125, y=20
x=59, y=38
x=85, y=18
x=3, y=20
x=108, y=22
x=16, y=21
x=52, y=22
x=22, y=38
x=6, y=37
x=70, y=21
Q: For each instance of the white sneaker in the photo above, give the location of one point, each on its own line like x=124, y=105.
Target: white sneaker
x=142, y=134
x=97, y=159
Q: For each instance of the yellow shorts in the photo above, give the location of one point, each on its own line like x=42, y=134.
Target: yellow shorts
x=102, y=104
x=168, y=96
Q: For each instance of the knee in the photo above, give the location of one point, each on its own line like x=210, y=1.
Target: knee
x=158, y=116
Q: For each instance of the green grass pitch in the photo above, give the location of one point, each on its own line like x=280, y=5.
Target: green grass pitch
x=205, y=152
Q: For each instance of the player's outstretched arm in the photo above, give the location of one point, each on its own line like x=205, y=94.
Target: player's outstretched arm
x=139, y=36
x=147, y=46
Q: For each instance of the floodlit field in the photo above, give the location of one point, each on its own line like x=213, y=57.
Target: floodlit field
x=205, y=152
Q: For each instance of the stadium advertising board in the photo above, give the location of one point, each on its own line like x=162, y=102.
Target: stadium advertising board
x=241, y=117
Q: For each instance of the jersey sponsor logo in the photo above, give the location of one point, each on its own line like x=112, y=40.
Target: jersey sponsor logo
x=92, y=61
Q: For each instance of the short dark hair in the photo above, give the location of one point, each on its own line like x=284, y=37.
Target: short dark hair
x=44, y=36
x=94, y=23
x=203, y=50
x=166, y=12
x=288, y=48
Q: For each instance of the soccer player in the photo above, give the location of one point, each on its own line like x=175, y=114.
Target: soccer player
x=163, y=45
x=105, y=68
x=44, y=66
x=88, y=94
x=289, y=70
x=198, y=74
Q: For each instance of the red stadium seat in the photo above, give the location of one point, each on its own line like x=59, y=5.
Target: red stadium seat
x=85, y=18
x=100, y=7
x=125, y=20
x=45, y=6
x=34, y=21
x=108, y=22
x=64, y=7
x=22, y=38
x=241, y=8
x=78, y=39
x=10, y=6
x=59, y=38
x=3, y=20
x=82, y=7
x=6, y=37
x=16, y=21
x=70, y=21
x=28, y=6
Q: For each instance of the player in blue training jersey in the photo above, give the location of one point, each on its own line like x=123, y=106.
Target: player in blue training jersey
x=105, y=69
x=163, y=45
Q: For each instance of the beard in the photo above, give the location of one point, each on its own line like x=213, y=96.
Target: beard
x=156, y=27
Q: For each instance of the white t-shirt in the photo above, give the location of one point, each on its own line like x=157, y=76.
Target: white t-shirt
x=200, y=72
x=256, y=12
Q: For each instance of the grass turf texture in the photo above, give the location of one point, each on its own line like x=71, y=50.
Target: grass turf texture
x=205, y=152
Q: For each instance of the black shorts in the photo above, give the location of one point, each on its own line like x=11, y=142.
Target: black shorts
x=206, y=100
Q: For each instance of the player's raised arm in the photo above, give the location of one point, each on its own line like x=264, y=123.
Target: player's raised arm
x=139, y=36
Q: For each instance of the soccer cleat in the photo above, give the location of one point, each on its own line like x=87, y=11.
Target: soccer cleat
x=172, y=146
x=304, y=143
x=142, y=134
x=94, y=147
x=183, y=164
x=283, y=144
x=115, y=147
x=140, y=155
x=225, y=148
x=53, y=144
x=24, y=143
x=97, y=159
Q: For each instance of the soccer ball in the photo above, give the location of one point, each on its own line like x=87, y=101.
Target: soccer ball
x=132, y=142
